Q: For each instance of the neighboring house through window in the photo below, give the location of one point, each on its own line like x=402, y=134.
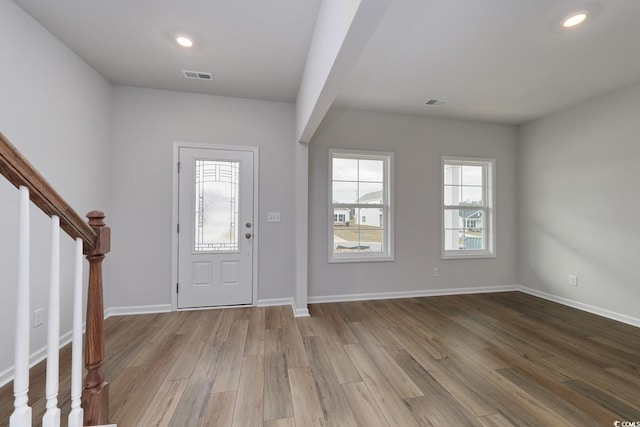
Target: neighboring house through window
x=468, y=207
x=360, y=193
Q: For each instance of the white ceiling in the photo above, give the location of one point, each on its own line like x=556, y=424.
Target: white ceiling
x=506, y=61
x=253, y=48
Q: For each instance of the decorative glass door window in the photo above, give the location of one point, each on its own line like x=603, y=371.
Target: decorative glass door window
x=216, y=206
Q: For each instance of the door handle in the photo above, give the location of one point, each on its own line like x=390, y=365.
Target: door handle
x=248, y=235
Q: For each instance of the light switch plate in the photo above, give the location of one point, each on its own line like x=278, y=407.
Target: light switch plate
x=273, y=216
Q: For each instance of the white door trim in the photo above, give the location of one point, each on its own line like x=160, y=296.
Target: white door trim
x=174, y=211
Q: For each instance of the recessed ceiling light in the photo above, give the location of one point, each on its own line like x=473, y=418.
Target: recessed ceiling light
x=184, y=41
x=574, y=20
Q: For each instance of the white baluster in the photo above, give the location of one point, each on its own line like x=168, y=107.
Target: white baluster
x=52, y=416
x=76, y=415
x=21, y=416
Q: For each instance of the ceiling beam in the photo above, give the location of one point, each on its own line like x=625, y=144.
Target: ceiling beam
x=342, y=29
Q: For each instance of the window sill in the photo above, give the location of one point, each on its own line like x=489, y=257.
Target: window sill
x=462, y=255
x=339, y=260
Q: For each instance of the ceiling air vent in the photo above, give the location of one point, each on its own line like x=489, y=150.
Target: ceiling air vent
x=437, y=102
x=198, y=75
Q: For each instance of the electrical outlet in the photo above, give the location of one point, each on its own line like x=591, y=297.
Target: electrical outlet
x=38, y=317
x=573, y=280
x=436, y=272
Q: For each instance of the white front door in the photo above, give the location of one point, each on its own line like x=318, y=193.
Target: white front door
x=215, y=223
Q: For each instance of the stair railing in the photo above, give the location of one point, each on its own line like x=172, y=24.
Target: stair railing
x=89, y=405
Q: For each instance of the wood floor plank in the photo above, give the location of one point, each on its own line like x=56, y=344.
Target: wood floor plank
x=621, y=408
x=277, y=391
x=272, y=317
x=498, y=338
x=564, y=408
x=456, y=384
x=307, y=409
x=198, y=339
x=249, y=410
x=228, y=374
x=495, y=420
x=219, y=409
x=282, y=422
x=351, y=311
x=409, y=332
x=394, y=408
x=546, y=378
x=123, y=355
x=306, y=327
x=333, y=324
x=502, y=359
x=383, y=332
x=164, y=403
x=502, y=394
x=344, y=368
x=625, y=374
x=123, y=389
x=399, y=380
x=334, y=404
x=255, y=334
x=158, y=371
x=439, y=404
x=192, y=319
x=624, y=347
x=621, y=389
x=363, y=406
x=222, y=325
x=455, y=349
x=190, y=409
x=294, y=349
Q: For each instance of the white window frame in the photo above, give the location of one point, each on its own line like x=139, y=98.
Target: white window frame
x=387, y=207
x=489, y=192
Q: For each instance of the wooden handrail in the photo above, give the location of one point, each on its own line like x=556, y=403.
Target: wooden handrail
x=17, y=169
x=96, y=237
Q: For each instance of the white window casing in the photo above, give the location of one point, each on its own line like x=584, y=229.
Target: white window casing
x=467, y=207
x=361, y=188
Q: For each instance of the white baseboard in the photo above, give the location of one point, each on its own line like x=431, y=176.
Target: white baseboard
x=36, y=357
x=297, y=312
x=410, y=294
x=633, y=321
x=300, y=312
x=137, y=309
x=274, y=302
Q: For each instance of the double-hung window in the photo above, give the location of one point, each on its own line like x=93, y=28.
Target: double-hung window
x=360, y=205
x=468, y=201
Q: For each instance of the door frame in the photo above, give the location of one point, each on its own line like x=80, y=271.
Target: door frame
x=174, y=215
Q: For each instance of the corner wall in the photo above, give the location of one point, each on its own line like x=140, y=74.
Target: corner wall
x=57, y=111
x=146, y=124
x=418, y=144
x=578, y=204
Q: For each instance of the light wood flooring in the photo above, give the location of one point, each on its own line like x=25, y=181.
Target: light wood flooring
x=489, y=360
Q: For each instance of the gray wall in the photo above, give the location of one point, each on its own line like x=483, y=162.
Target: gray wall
x=146, y=124
x=579, y=200
x=418, y=144
x=56, y=110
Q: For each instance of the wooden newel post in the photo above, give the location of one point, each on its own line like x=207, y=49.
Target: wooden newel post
x=95, y=396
